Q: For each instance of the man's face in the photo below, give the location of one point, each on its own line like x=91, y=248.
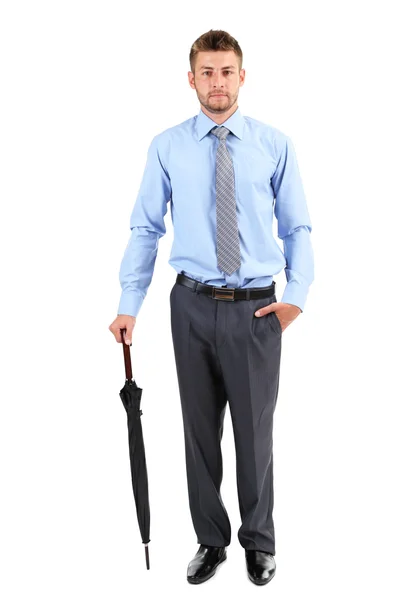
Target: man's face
x=217, y=72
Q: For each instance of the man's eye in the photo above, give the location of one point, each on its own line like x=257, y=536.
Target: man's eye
x=210, y=72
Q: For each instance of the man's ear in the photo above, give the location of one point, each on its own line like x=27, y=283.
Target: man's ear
x=191, y=79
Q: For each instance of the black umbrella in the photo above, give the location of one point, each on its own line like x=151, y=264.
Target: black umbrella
x=131, y=395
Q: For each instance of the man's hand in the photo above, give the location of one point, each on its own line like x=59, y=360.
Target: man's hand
x=123, y=322
x=285, y=312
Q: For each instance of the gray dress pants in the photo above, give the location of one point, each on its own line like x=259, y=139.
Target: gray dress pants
x=223, y=353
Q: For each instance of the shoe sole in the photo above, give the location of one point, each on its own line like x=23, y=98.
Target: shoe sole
x=257, y=582
x=196, y=581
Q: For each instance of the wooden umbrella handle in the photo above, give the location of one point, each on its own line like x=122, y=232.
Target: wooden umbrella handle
x=127, y=356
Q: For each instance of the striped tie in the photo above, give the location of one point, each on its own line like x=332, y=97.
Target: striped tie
x=228, y=248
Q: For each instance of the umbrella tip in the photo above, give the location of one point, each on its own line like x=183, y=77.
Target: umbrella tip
x=146, y=549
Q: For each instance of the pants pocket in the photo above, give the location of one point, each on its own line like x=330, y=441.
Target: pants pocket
x=276, y=323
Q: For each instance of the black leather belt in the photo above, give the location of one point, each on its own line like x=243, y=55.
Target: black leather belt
x=225, y=293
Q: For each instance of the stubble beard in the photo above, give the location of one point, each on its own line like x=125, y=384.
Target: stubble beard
x=217, y=106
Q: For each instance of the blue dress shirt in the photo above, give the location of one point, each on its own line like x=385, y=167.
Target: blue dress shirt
x=180, y=169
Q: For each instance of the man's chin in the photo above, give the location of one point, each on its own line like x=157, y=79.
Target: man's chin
x=219, y=100
x=218, y=107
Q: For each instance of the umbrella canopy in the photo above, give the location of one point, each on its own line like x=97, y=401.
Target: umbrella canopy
x=131, y=396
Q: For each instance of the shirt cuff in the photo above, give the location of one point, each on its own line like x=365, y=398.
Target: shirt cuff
x=130, y=303
x=295, y=293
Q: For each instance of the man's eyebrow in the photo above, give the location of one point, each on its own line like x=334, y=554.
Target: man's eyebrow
x=212, y=68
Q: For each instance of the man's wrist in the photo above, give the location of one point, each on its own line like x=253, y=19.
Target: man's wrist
x=296, y=294
x=130, y=303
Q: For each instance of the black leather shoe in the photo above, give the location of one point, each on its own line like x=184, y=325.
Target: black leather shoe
x=260, y=566
x=205, y=563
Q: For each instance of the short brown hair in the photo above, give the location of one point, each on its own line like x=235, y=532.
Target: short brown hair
x=214, y=40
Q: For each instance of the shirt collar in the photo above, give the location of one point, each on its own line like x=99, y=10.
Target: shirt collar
x=235, y=124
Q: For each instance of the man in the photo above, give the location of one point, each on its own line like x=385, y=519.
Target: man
x=224, y=175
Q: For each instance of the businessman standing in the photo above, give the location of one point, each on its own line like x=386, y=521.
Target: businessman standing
x=224, y=175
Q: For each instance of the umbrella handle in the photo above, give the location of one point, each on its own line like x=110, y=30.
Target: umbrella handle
x=127, y=356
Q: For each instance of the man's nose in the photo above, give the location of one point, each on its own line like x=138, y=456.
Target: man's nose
x=217, y=80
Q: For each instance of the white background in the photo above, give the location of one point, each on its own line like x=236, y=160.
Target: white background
x=84, y=87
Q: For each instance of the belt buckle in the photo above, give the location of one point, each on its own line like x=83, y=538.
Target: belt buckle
x=223, y=293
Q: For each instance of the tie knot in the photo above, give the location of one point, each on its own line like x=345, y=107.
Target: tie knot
x=221, y=132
